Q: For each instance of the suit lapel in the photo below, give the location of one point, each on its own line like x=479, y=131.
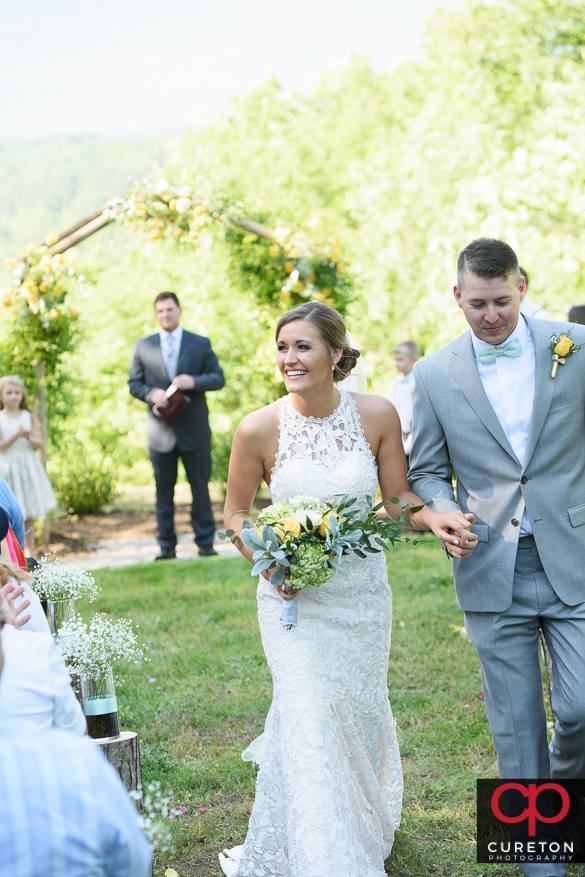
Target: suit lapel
x=544, y=386
x=464, y=369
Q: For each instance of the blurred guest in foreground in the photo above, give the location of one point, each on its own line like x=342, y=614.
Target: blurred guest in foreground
x=63, y=809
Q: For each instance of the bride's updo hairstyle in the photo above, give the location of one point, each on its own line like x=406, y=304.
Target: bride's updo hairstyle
x=332, y=330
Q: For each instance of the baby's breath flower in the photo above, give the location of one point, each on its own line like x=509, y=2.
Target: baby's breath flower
x=55, y=581
x=92, y=650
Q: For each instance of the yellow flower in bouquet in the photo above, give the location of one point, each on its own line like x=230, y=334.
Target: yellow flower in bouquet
x=287, y=528
x=51, y=239
x=325, y=528
x=10, y=264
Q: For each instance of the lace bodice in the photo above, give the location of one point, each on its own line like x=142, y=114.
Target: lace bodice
x=325, y=457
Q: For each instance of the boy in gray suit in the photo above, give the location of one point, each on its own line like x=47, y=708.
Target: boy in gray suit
x=487, y=407
x=187, y=361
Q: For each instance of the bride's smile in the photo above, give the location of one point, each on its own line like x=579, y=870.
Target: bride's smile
x=305, y=363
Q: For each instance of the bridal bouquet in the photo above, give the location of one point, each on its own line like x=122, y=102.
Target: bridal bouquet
x=307, y=539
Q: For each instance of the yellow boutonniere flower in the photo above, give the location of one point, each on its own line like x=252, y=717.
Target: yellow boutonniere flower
x=561, y=349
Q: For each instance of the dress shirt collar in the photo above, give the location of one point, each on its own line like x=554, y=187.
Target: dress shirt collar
x=176, y=334
x=521, y=332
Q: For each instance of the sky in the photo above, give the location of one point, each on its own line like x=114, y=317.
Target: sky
x=120, y=67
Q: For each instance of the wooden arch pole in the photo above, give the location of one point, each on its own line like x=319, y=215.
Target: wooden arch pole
x=74, y=235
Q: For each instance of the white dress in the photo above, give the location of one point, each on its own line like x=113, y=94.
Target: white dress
x=329, y=789
x=23, y=471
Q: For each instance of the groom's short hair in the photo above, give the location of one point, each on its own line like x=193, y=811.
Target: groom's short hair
x=487, y=258
x=164, y=295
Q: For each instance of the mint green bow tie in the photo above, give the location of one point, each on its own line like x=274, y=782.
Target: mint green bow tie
x=488, y=354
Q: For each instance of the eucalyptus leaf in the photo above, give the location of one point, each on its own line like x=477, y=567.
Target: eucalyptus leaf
x=261, y=566
x=251, y=539
x=277, y=578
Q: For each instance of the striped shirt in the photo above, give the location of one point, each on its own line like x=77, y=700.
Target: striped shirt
x=64, y=811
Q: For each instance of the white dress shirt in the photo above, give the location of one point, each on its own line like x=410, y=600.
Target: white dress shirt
x=38, y=620
x=509, y=385
x=35, y=687
x=170, y=361
x=400, y=394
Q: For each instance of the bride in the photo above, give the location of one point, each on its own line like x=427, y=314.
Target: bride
x=329, y=789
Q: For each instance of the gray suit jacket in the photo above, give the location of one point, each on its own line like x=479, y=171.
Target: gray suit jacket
x=455, y=427
x=190, y=431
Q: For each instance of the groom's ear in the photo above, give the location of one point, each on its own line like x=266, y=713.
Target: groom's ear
x=457, y=294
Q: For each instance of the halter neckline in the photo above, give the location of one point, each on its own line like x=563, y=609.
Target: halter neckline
x=312, y=419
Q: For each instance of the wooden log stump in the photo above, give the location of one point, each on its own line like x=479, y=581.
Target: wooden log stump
x=123, y=753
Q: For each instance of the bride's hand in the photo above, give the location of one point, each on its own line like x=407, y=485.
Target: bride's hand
x=285, y=590
x=454, y=529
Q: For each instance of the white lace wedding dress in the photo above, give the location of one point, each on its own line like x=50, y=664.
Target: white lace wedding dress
x=329, y=789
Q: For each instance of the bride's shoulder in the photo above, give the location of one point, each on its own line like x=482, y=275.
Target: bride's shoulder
x=260, y=424
x=371, y=406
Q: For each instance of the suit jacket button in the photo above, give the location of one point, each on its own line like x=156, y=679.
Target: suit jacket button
x=524, y=479
x=514, y=522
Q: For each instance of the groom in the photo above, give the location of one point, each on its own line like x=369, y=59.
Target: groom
x=486, y=407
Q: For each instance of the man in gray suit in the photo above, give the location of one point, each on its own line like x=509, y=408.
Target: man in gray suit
x=486, y=406
x=188, y=362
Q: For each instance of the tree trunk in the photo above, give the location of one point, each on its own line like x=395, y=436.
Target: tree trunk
x=124, y=754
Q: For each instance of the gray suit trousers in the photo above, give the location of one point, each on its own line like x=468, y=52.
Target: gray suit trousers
x=508, y=648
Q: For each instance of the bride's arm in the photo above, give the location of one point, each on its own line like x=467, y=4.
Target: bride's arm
x=451, y=527
x=255, y=443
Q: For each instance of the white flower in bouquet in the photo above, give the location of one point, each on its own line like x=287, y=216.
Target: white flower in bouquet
x=183, y=204
x=93, y=649
x=308, y=507
x=55, y=581
x=309, y=518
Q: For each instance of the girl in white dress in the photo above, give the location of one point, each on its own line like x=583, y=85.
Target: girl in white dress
x=19, y=465
x=329, y=789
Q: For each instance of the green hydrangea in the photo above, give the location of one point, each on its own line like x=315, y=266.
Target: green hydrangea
x=274, y=513
x=309, y=570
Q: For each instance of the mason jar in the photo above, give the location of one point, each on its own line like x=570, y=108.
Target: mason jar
x=100, y=705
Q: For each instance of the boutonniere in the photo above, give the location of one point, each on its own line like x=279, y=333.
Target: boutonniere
x=561, y=349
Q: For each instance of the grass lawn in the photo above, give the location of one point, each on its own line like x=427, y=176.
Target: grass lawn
x=207, y=689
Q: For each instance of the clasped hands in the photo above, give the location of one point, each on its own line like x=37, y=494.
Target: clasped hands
x=454, y=529
x=181, y=382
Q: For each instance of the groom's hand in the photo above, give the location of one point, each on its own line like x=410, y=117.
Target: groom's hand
x=463, y=541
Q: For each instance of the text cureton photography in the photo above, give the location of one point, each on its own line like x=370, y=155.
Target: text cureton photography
x=534, y=820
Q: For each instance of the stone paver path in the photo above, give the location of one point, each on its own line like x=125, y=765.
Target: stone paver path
x=125, y=552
